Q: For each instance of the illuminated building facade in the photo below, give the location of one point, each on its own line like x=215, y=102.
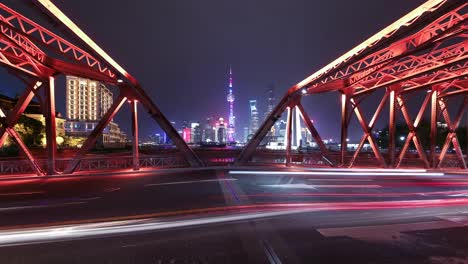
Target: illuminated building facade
x=220, y=131
x=87, y=101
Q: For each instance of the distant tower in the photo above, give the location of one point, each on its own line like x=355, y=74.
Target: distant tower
x=231, y=131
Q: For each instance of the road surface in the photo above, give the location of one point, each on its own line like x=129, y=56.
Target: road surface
x=234, y=216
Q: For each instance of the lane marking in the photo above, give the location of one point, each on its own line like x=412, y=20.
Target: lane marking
x=187, y=182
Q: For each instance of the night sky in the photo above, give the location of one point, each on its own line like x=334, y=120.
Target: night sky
x=180, y=50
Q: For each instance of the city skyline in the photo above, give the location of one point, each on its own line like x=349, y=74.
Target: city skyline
x=190, y=74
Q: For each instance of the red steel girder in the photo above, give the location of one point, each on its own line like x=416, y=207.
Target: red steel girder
x=412, y=126
x=8, y=121
x=358, y=63
x=135, y=150
x=92, y=138
x=314, y=133
x=133, y=85
x=289, y=135
x=367, y=132
x=43, y=36
x=446, y=60
x=370, y=126
x=452, y=136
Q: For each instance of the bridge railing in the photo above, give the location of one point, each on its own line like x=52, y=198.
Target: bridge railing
x=17, y=166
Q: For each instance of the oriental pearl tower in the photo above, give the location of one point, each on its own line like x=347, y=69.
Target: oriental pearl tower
x=231, y=131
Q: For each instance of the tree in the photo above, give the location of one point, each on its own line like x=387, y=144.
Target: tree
x=30, y=130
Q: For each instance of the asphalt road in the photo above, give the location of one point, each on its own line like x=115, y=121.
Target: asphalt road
x=236, y=217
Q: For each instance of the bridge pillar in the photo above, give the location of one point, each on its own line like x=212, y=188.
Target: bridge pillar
x=289, y=135
x=136, y=153
x=391, y=129
x=433, y=136
x=51, y=133
x=344, y=128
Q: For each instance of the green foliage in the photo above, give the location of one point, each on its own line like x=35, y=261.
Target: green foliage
x=30, y=130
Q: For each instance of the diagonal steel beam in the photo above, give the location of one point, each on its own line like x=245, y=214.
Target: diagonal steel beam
x=314, y=132
x=270, y=121
x=370, y=127
x=14, y=135
x=12, y=117
x=92, y=138
x=368, y=133
x=452, y=136
x=412, y=135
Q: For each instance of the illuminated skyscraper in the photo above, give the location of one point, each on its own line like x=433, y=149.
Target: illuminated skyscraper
x=254, y=122
x=87, y=101
x=231, y=131
x=271, y=101
x=220, y=131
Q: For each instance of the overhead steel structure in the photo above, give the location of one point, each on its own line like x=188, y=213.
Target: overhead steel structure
x=425, y=49
x=37, y=55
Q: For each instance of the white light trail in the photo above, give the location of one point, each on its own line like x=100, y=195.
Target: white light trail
x=187, y=182
x=336, y=173
x=50, y=234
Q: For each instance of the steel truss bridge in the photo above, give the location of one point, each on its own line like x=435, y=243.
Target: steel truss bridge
x=425, y=51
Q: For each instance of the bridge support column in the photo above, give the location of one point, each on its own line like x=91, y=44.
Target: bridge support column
x=136, y=153
x=289, y=135
x=344, y=128
x=391, y=130
x=433, y=136
x=51, y=133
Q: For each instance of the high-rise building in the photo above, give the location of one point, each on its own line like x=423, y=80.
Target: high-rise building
x=187, y=134
x=208, y=131
x=196, y=133
x=254, y=122
x=231, y=131
x=271, y=101
x=87, y=101
x=221, y=131
x=246, y=134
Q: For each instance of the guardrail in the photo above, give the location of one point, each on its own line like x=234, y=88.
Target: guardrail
x=210, y=158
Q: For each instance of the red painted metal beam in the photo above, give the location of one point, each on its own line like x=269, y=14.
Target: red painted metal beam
x=135, y=149
x=452, y=136
x=370, y=127
x=412, y=126
x=344, y=128
x=51, y=126
x=290, y=110
x=92, y=138
x=368, y=133
x=314, y=133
